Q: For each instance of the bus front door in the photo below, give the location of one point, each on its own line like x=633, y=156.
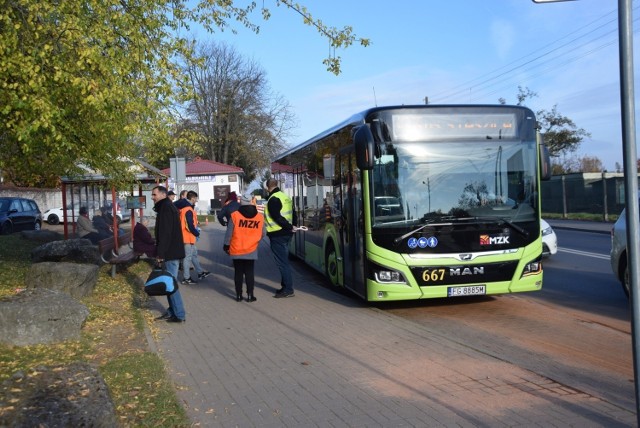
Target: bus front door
x=353, y=262
x=298, y=207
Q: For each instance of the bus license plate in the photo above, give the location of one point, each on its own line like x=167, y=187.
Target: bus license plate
x=472, y=290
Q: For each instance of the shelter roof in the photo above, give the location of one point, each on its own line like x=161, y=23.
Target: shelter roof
x=278, y=167
x=143, y=172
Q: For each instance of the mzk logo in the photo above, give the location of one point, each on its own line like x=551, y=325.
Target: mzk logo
x=249, y=224
x=494, y=239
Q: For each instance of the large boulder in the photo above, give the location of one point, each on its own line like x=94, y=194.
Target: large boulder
x=62, y=396
x=40, y=316
x=41, y=235
x=77, y=280
x=71, y=250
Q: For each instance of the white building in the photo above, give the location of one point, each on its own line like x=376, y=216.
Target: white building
x=213, y=181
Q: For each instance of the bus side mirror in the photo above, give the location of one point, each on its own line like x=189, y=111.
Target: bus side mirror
x=365, y=147
x=545, y=163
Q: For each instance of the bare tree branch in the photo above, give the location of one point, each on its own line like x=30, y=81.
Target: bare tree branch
x=241, y=121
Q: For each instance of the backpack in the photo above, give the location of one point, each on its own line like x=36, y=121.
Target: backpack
x=160, y=282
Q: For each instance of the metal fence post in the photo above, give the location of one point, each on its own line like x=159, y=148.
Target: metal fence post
x=564, y=198
x=605, y=208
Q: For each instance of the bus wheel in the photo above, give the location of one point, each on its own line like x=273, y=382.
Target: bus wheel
x=331, y=264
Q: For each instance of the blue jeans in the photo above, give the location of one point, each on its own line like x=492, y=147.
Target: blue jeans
x=176, y=307
x=280, y=249
x=190, y=256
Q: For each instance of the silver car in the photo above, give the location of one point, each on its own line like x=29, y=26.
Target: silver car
x=619, y=251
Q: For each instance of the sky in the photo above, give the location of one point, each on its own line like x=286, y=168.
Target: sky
x=455, y=51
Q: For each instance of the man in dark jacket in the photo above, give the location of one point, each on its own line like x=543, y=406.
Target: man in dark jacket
x=169, y=247
x=101, y=225
x=231, y=205
x=181, y=202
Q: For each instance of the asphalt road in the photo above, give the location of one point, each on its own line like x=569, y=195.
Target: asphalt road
x=576, y=331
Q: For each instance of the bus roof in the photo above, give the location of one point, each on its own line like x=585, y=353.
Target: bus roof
x=361, y=118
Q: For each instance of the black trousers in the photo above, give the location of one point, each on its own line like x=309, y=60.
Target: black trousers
x=244, y=270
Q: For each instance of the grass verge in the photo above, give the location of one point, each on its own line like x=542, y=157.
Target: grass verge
x=113, y=340
x=581, y=216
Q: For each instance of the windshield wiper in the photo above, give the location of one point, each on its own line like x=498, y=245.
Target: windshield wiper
x=432, y=222
x=503, y=220
x=429, y=222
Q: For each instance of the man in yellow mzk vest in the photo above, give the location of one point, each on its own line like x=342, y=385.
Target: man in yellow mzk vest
x=279, y=219
x=244, y=232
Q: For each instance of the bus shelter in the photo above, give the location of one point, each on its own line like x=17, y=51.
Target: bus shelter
x=96, y=192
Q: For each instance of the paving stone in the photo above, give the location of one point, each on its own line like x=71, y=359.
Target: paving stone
x=324, y=359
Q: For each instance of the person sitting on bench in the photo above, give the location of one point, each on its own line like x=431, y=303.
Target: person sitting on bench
x=143, y=242
x=85, y=227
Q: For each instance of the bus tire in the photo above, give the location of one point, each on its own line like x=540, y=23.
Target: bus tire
x=331, y=264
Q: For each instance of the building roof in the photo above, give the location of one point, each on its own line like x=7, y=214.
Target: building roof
x=207, y=167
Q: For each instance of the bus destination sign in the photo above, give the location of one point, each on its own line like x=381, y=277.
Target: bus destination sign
x=414, y=127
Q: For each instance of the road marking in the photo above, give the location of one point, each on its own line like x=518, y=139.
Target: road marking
x=584, y=253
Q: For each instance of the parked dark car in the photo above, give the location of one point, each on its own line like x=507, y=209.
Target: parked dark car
x=19, y=214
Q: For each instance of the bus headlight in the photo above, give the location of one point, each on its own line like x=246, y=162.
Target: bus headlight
x=385, y=275
x=389, y=276
x=533, y=267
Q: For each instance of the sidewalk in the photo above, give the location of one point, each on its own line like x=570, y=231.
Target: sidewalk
x=327, y=359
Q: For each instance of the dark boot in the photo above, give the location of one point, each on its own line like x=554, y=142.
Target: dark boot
x=251, y=298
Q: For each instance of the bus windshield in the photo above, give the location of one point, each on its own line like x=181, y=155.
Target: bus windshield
x=421, y=181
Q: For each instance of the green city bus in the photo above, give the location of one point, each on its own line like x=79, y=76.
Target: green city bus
x=418, y=202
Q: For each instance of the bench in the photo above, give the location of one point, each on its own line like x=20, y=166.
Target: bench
x=107, y=247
